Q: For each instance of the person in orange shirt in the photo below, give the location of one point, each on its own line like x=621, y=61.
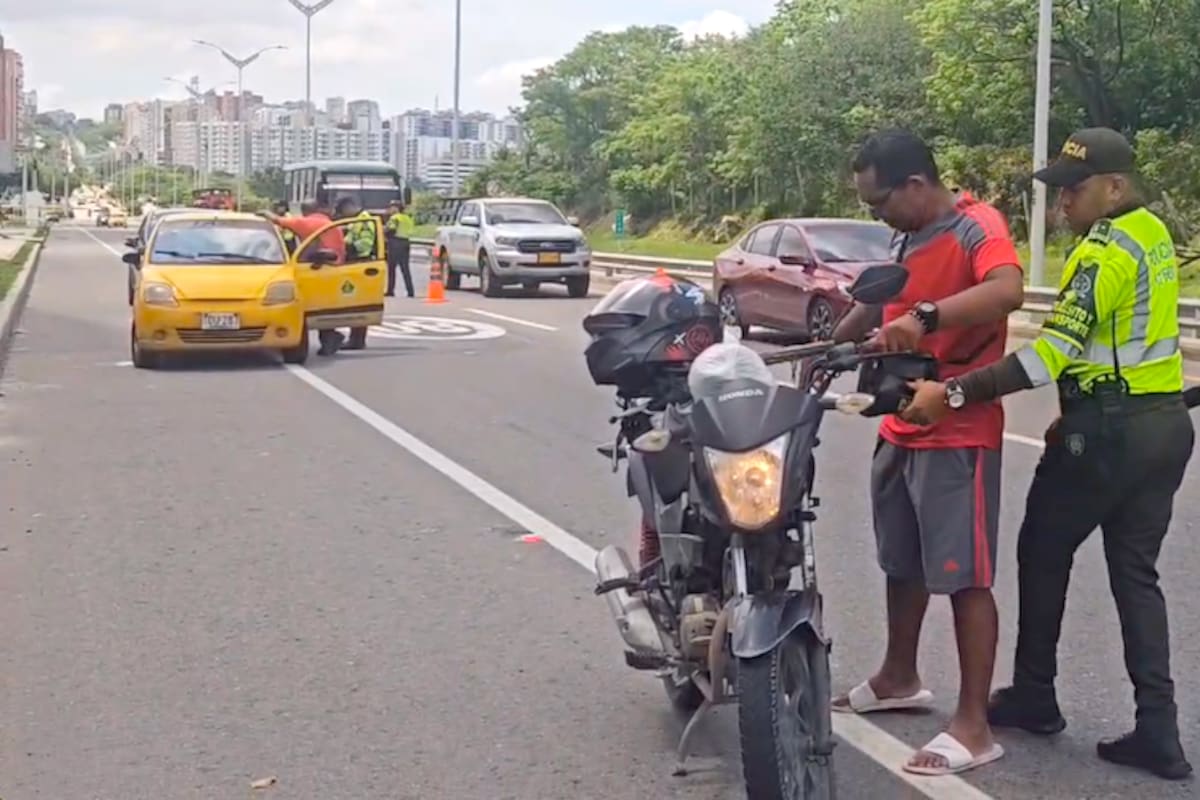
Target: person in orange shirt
x=313, y=218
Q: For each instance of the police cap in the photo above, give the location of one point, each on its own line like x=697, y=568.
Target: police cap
x=1088, y=152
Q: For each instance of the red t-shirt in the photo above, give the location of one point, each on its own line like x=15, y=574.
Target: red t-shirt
x=305, y=227
x=943, y=259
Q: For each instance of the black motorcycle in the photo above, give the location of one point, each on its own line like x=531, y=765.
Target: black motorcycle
x=724, y=606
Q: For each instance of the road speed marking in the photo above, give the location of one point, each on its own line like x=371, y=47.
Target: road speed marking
x=408, y=327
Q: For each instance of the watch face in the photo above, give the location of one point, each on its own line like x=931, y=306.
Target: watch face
x=955, y=398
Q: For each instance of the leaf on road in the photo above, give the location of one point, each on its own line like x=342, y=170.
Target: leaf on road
x=263, y=783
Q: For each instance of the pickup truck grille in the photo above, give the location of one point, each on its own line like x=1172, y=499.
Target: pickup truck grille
x=546, y=246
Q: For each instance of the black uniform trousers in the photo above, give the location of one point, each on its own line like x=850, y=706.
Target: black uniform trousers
x=1126, y=486
x=397, y=256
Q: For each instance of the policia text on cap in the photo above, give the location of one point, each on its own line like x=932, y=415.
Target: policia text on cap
x=1116, y=456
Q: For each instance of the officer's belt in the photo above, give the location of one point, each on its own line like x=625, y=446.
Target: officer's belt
x=1074, y=401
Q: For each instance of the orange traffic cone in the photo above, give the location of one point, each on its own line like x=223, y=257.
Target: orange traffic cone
x=437, y=290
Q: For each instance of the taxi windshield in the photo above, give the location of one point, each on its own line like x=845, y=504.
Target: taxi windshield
x=200, y=242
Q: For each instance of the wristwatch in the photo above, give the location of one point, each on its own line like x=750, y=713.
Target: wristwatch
x=927, y=314
x=955, y=397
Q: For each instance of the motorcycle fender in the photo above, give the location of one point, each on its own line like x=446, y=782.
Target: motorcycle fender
x=760, y=622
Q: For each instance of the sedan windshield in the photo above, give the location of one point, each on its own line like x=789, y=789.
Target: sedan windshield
x=216, y=242
x=850, y=242
x=535, y=213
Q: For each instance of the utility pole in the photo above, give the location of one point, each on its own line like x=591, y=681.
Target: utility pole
x=241, y=64
x=309, y=11
x=1041, y=136
x=454, y=137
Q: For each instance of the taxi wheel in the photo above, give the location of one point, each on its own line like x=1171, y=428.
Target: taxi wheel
x=298, y=354
x=489, y=284
x=141, y=358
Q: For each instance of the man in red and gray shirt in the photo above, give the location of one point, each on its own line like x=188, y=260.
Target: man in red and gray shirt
x=935, y=489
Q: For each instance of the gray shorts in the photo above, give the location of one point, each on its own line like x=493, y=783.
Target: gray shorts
x=937, y=514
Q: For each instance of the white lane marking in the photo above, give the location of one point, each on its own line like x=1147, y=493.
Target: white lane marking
x=99, y=241
x=527, y=518
x=878, y=745
x=517, y=320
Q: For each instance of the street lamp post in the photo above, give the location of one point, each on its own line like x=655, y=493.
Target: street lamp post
x=309, y=11
x=1041, y=136
x=240, y=64
x=454, y=137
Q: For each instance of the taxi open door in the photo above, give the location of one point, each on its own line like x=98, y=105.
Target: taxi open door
x=341, y=293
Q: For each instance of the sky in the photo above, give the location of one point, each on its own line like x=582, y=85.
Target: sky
x=83, y=54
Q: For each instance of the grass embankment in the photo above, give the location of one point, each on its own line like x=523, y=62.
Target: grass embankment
x=10, y=269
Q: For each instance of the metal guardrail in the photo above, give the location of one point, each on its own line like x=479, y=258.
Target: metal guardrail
x=1038, y=299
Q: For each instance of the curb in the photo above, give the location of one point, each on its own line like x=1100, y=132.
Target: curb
x=14, y=302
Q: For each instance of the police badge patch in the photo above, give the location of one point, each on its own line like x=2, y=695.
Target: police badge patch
x=1075, y=444
x=1082, y=282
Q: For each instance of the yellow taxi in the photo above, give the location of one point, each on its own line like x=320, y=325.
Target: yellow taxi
x=222, y=280
x=117, y=218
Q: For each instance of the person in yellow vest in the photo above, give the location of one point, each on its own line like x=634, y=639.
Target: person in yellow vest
x=360, y=246
x=1116, y=457
x=399, y=230
x=289, y=237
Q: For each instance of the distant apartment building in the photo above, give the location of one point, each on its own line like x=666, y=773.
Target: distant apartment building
x=363, y=115
x=12, y=104
x=421, y=145
x=146, y=130
x=30, y=102
x=114, y=114
x=271, y=140
x=335, y=110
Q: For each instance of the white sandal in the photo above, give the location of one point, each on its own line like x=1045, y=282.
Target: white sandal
x=862, y=700
x=958, y=758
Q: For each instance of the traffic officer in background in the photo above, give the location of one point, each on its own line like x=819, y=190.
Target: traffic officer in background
x=360, y=245
x=399, y=229
x=280, y=209
x=1116, y=456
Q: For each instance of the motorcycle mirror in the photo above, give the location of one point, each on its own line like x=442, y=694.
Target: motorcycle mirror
x=879, y=284
x=654, y=441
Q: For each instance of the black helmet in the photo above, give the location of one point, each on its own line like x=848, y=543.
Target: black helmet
x=646, y=328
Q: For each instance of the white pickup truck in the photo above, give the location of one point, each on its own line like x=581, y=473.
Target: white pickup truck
x=508, y=241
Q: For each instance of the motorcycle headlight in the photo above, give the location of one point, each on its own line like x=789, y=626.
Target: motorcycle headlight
x=750, y=483
x=159, y=294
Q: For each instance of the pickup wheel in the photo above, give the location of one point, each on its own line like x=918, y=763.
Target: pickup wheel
x=578, y=285
x=452, y=279
x=489, y=284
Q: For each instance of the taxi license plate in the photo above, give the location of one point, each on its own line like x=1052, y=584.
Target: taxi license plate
x=220, y=322
x=549, y=258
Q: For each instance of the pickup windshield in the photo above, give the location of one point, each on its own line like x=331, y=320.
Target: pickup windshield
x=216, y=242
x=528, y=213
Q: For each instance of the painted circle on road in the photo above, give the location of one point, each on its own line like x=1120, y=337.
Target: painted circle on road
x=408, y=327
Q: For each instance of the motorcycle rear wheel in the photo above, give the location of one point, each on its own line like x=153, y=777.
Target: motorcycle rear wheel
x=784, y=718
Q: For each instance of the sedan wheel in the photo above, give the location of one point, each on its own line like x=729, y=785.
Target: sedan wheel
x=727, y=304
x=821, y=320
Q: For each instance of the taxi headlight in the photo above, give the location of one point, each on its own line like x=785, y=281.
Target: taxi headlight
x=279, y=293
x=750, y=483
x=159, y=294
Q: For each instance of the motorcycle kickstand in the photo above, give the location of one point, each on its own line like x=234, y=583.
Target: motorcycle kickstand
x=681, y=752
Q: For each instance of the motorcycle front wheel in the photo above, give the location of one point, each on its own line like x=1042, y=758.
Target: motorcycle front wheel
x=784, y=717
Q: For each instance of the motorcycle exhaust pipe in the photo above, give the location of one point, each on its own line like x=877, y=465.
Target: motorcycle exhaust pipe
x=633, y=618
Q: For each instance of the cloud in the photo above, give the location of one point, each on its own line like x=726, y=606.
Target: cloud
x=399, y=52
x=715, y=23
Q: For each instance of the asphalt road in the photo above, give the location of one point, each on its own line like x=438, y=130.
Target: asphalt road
x=229, y=570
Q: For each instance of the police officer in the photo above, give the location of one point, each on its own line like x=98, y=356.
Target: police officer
x=399, y=229
x=280, y=209
x=360, y=245
x=1116, y=456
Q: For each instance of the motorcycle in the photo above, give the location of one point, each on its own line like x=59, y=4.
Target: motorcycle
x=724, y=606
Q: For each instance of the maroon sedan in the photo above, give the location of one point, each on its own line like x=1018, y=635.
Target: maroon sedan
x=792, y=274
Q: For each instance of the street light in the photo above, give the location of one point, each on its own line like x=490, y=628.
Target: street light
x=1041, y=136
x=240, y=64
x=197, y=96
x=457, y=76
x=309, y=11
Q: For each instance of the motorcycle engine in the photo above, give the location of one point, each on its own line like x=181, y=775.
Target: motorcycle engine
x=697, y=618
